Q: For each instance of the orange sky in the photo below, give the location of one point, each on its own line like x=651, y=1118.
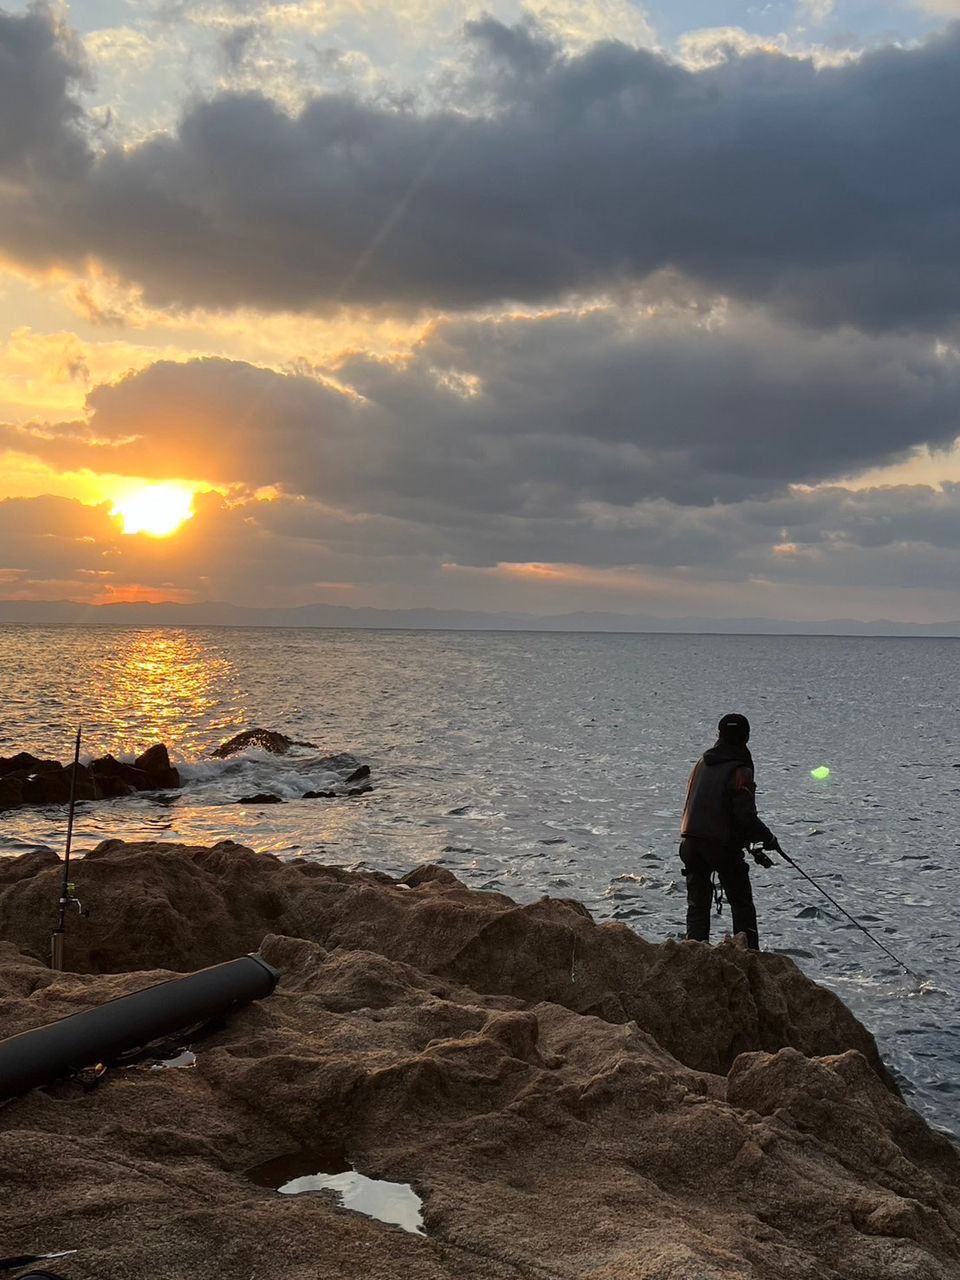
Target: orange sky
x=537, y=408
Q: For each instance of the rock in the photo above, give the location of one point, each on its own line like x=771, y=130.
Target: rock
x=183, y=907
x=25, y=779
x=111, y=786
x=24, y=762
x=262, y=797
x=359, y=774
x=27, y=865
x=109, y=772
x=342, y=763
x=11, y=790
x=267, y=739
x=333, y=794
x=155, y=763
x=52, y=786
x=427, y=873
x=193, y=907
x=545, y=1143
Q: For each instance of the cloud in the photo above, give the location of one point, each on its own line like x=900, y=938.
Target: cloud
x=506, y=436
x=828, y=194
x=815, y=11
x=214, y=419
x=943, y=8
x=50, y=374
x=893, y=553
x=42, y=67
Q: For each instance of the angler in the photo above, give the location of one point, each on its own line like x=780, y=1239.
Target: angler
x=720, y=820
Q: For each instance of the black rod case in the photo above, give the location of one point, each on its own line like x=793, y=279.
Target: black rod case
x=45, y=1054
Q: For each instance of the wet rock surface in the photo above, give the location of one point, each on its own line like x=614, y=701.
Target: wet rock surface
x=29, y=780
x=334, y=794
x=567, y=1099
x=267, y=739
x=349, y=777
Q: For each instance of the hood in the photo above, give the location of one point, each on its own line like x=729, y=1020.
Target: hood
x=725, y=752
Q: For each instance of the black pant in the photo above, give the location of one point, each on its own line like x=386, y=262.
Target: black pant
x=735, y=882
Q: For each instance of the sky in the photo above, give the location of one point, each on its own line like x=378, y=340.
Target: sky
x=419, y=303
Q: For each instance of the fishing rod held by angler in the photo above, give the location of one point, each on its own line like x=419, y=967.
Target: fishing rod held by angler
x=67, y=895
x=843, y=911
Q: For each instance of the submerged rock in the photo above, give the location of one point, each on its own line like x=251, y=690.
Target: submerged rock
x=334, y=794
x=543, y=1141
x=353, y=778
x=262, y=797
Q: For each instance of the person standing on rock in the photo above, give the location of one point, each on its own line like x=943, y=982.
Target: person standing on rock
x=719, y=821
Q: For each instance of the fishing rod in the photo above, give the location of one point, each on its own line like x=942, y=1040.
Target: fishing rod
x=843, y=911
x=68, y=895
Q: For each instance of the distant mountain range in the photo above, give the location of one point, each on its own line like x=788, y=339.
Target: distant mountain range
x=215, y=613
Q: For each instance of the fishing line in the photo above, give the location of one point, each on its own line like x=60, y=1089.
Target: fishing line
x=843, y=911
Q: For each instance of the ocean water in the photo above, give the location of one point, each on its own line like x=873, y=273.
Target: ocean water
x=553, y=764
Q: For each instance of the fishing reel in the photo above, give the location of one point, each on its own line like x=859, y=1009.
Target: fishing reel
x=70, y=899
x=760, y=855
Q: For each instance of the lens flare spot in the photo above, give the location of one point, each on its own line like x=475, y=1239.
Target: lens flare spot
x=158, y=509
x=820, y=772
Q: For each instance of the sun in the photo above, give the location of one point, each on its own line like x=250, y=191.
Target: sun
x=158, y=509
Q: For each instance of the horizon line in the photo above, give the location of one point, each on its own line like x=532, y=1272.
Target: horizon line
x=877, y=628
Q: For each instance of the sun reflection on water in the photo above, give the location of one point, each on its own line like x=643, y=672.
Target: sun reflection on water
x=163, y=686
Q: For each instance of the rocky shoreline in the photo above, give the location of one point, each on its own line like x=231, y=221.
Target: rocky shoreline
x=27, y=779
x=568, y=1099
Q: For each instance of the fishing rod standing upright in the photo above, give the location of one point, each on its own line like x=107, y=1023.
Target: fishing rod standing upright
x=67, y=895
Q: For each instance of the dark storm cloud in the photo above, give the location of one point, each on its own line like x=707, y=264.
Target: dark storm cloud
x=831, y=193
x=528, y=420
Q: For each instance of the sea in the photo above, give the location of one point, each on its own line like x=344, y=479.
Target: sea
x=552, y=764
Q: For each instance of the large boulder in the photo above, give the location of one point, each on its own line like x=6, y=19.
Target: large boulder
x=155, y=763
x=182, y=907
x=544, y=1143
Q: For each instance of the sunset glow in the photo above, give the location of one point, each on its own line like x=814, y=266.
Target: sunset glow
x=235, y=370
x=157, y=510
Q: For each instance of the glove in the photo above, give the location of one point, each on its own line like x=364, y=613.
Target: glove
x=761, y=859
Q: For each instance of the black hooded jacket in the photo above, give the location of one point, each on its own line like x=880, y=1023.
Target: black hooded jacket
x=720, y=814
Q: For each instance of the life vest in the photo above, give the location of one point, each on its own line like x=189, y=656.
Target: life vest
x=708, y=826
